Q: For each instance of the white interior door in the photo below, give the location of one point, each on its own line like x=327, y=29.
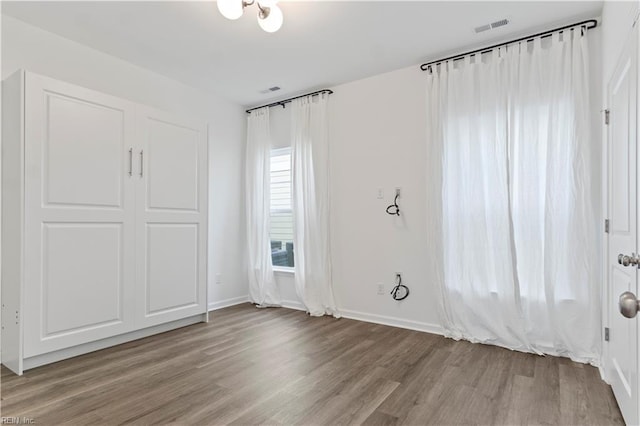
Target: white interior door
x=79, y=199
x=622, y=359
x=171, y=218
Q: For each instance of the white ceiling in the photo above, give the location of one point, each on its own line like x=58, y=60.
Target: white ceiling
x=322, y=43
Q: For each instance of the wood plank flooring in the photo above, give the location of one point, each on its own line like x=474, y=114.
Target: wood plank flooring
x=278, y=366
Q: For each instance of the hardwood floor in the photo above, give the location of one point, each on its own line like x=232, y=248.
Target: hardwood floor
x=279, y=366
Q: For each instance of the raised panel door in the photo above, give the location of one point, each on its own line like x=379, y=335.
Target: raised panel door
x=171, y=220
x=79, y=203
x=621, y=353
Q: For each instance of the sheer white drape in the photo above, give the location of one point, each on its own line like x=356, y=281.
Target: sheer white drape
x=310, y=175
x=509, y=147
x=262, y=285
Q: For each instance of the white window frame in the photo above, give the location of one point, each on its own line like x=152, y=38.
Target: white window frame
x=275, y=152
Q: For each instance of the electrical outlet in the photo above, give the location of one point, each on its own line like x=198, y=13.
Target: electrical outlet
x=380, y=193
x=218, y=279
x=381, y=290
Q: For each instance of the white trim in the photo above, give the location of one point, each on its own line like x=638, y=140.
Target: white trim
x=293, y=304
x=59, y=355
x=289, y=304
x=392, y=321
x=603, y=375
x=360, y=316
x=213, y=306
x=285, y=270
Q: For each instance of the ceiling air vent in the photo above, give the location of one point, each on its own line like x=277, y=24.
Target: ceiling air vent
x=491, y=26
x=500, y=23
x=483, y=28
x=270, y=89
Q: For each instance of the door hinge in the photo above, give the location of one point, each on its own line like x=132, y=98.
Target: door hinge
x=607, y=115
x=606, y=334
x=606, y=226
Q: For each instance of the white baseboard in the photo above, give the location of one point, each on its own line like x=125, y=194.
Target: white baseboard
x=392, y=321
x=293, y=304
x=290, y=304
x=360, y=316
x=603, y=376
x=227, y=302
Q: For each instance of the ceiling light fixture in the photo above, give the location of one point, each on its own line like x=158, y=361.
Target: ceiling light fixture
x=270, y=16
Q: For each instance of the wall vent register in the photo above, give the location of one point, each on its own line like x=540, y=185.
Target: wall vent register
x=491, y=26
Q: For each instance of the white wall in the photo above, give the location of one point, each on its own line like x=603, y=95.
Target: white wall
x=378, y=131
x=378, y=140
x=27, y=47
x=617, y=21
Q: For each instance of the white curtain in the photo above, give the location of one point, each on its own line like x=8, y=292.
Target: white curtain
x=263, y=290
x=509, y=152
x=310, y=175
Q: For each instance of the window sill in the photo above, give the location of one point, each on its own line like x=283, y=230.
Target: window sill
x=283, y=270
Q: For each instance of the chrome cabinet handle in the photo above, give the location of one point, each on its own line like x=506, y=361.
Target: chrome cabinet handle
x=130, y=161
x=141, y=163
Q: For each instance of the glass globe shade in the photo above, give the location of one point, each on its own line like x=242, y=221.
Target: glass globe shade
x=230, y=9
x=273, y=22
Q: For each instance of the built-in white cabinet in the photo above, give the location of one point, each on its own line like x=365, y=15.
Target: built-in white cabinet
x=104, y=221
x=171, y=222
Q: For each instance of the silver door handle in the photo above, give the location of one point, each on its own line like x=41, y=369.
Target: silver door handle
x=629, y=305
x=130, y=161
x=625, y=260
x=141, y=163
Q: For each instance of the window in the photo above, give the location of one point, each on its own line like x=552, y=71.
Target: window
x=281, y=212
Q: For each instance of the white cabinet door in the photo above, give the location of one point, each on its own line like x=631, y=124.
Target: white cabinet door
x=171, y=218
x=79, y=203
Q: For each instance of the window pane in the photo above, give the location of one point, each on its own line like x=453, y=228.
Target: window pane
x=281, y=214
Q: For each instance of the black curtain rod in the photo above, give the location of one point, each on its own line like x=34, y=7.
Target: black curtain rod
x=286, y=101
x=589, y=24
